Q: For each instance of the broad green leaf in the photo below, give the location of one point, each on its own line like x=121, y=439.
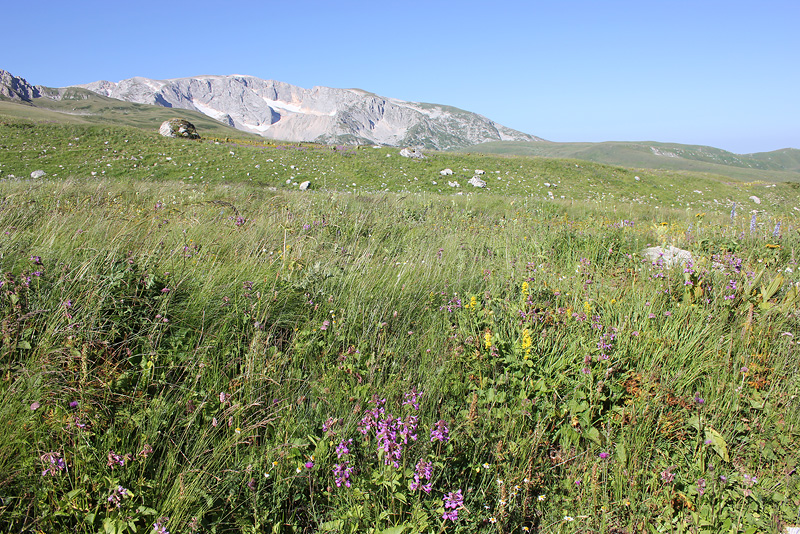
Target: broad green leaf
x=717, y=443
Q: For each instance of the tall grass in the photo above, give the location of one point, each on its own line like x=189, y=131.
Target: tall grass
x=209, y=347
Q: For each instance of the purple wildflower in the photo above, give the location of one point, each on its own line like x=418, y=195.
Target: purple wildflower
x=667, y=476
x=452, y=502
x=603, y=455
x=115, y=459
x=117, y=495
x=412, y=398
x=440, y=431
x=54, y=463
x=159, y=527
x=342, y=449
x=341, y=474
x=37, y=260
x=701, y=486
x=423, y=471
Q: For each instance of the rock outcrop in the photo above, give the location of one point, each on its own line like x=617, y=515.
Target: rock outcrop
x=15, y=88
x=178, y=128
x=668, y=255
x=338, y=116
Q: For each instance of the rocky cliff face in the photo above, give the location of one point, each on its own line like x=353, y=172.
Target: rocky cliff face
x=16, y=88
x=282, y=111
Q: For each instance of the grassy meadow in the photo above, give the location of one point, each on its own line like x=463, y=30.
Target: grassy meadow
x=192, y=344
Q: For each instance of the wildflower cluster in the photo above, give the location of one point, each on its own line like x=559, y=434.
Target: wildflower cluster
x=452, y=502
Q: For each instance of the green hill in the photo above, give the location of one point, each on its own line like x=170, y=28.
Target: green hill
x=778, y=166
x=81, y=106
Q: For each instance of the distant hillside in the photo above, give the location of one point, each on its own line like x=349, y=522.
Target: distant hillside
x=780, y=165
x=75, y=105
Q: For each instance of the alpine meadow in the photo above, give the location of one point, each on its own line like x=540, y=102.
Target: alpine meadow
x=459, y=342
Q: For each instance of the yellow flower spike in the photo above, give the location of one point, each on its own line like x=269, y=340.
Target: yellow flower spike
x=487, y=339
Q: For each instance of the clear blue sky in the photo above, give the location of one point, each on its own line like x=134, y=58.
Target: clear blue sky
x=725, y=74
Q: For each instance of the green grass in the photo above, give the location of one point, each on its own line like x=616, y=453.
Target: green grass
x=81, y=106
x=222, y=335
x=777, y=166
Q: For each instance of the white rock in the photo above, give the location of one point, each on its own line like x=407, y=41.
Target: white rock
x=305, y=185
x=636, y=178
x=38, y=174
x=446, y=172
x=453, y=184
x=479, y=172
x=412, y=153
x=755, y=199
x=476, y=182
x=670, y=255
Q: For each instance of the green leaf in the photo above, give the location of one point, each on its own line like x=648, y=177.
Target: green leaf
x=399, y=529
x=23, y=345
x=717, y=443
x=594, y=435
x=622, y=454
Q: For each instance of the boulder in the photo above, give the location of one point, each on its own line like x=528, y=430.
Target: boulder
x=412, y=153
x=38, y=174
x=669, y=255
x=755, y=199
x=476, y=182
x=446, y=172
x=178, y=128
x=305, y=185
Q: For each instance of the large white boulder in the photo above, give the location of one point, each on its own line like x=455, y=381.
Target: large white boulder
x=476, y=182
x=669, y=255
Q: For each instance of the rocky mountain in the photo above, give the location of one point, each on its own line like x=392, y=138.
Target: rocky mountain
x=14, y=88
x=282, y=111
x=19, y=90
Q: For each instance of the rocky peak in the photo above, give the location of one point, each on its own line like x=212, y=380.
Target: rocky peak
x=17, y=88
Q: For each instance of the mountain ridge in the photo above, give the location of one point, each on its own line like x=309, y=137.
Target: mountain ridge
x=279, y=110
x=776, y=165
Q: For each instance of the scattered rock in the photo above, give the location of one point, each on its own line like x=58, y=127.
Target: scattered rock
x=412, y=153
x=453, y=184
x=178, y=128
x=479, y=172
x=38, y=174
x=669, y=255
x=446, y=172
x=476, y=182
x=755, y=199
x=305, y=185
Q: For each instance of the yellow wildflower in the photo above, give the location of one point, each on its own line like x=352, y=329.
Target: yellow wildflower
x=527, y=342
x=487, y=339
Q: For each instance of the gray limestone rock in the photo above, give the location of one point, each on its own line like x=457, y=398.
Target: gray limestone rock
x=38, y=174
x=412, y=153
x=476, y=182
x=669, y=255
x=178, y=128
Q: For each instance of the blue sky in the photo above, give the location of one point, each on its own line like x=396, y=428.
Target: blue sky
x=724, y=74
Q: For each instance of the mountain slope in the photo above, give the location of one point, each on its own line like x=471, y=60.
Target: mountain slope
x=76, y=105
x=780, y=165
x=282, y=111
